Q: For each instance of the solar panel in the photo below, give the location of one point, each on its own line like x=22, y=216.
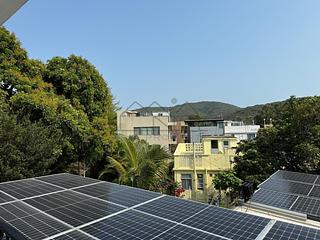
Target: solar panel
x=315, y=192
x=27, y=188
x=284, y=231
x=68, y=207
x=119, y=195
x=287, y=190
x=74, y=235
x=30, y=222
x=174, y=209
x=275, y=199
x=67, y=180
x=227, y=223
x=73, y=208
x=295, y=176
x=318, y=180
x=182, y=233
x=286, y=186
x=5, y=198
x=129, y=225
x=309, y=206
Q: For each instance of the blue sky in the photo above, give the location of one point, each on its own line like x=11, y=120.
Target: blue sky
x=239, y=52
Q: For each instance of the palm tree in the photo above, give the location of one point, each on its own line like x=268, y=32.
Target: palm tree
x=138, y=164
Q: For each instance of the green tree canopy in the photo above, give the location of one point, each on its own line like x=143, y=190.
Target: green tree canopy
x=225, y=180
x=292, y=143
x=66, y=96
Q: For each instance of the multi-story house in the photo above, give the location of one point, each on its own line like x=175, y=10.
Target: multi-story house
x=198, y=129
x=195, y=164
x=153, y=127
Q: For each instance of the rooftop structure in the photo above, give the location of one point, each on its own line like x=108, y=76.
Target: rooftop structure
x=66, y=206
x=198, y=129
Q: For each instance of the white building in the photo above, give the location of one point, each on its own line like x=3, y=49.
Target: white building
x=198, y=129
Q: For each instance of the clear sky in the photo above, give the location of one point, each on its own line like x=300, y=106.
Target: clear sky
x=239, y=52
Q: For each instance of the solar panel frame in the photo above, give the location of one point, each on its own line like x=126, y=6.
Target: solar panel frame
x=228, y=223
x=74, y=208
x=74, y=235
x=295, y=176
x=129, y=225
x=287, y=231
x=180, y=232
x=273, y=198
x=286, y=186
x=28, y=188
x=67, y=181
x=19, y=215
x=120, y=195
x=178, y=214
x=310, y=206
x=315, y=192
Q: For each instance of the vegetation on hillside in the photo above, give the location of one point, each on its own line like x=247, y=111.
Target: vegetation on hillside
x=212, y=110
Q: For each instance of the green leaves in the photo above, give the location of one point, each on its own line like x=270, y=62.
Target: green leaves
x=67, y=96
x=292, y=143
x=138, y=163
x=225, y=180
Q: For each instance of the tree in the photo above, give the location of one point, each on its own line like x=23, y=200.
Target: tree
x=26, y=149
x=138, y=164
x=226, y=180
x=292, y=143
x=66, y=95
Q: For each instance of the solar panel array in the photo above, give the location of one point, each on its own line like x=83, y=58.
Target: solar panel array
x=65, y=206
x=296, y=192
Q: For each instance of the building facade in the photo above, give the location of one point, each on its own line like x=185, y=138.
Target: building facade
x=195, y=164
x=155, y=128
x=199, y=129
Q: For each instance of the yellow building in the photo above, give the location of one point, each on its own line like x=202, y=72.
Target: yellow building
x=195, y=164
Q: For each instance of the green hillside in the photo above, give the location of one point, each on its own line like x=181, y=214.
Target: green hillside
x=210, y=110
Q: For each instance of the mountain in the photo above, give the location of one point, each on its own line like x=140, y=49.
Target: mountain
x=207, y=110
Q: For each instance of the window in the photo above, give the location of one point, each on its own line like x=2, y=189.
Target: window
x=147, y=131
x=200, y=181
x=251, y=136
x=225, y=144
x=214, y=144
x=186, y=180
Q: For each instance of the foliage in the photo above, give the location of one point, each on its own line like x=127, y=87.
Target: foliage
x=226, y=180
x=292, y=143
x=138, y=164
x=66, y=96
x=26, y=149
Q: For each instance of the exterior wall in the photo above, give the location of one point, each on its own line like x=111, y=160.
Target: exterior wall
x=196, y=133
x=228, y=128
x=199, y=158
x=127, y=122
x=243, y=132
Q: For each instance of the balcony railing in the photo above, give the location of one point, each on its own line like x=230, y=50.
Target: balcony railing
x=198, y=147
x=202, y=162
